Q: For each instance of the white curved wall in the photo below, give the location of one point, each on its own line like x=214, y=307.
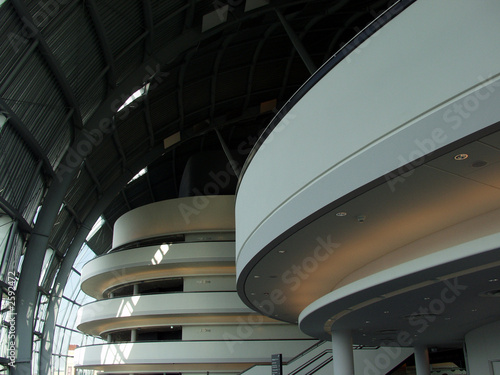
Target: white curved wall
x=174, y=216
x=180, y=354
x=145, y=306
x=483, y=350
x=398, y=88
x=146, y=263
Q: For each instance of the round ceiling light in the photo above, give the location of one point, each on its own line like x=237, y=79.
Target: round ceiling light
x=460, y=156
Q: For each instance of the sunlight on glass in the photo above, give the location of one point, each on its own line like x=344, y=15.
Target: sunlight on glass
x=36, y=214
x=3, y=119
x=142, y=172
x=98, y=224
x=136, y=95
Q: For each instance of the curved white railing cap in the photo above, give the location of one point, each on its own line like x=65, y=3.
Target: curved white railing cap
x=175, y=216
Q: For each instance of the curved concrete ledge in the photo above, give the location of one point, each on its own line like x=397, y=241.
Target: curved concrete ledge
x=426, y=272
x=214, y=356
x=117, y=313
x=149, y=263
x=175, y=216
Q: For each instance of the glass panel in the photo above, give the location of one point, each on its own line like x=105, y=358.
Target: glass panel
x=49, y=254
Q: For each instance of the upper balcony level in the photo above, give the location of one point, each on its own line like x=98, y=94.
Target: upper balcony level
x=384, y=165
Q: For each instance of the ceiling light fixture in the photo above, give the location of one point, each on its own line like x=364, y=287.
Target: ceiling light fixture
x=460, y=157
x=341, y=214
x=479, y=164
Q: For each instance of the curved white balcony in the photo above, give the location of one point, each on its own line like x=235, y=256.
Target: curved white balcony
x=190, y=215
x=159, y=309
x=149, y=263
x=225, y=356
x=360, y=177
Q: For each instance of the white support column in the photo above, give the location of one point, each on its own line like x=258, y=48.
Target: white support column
x=133, y=335
x=422, y=360
x=343, y=358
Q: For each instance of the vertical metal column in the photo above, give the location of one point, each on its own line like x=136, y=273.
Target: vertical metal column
x=343, y=357
x=422, y=360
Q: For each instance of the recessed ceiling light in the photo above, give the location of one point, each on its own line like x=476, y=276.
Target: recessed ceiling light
x=367, y=322
x=341, y=213
x=426, y=298
x=386, y=312
x=474, y=310
x=460, y=156
x=282, y=251
x=256, y=276
x=479, y=164
x=493, y=280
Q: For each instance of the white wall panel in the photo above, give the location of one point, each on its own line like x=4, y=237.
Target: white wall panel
x=174, y=216
x=246, y=329
x=483, y=349
x=209, y=283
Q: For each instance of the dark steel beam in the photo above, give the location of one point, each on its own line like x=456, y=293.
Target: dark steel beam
x=103, y=40
x=119, y=146
x=148, y=20
x=150, y=188
x=180, y=95
x=92, y=175
x=25, y=134
x=15, y=215
x=132, y=45
x=297, y=43
x=255, y=58
x=124, y=196
x=29, y=187
x=227, y=152
x=147, y=118
x=49, y=57
x=188, y=23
